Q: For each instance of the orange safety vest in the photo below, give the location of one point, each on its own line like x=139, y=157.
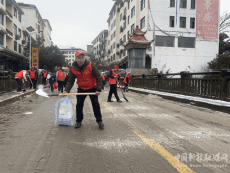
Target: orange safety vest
x=103, y=78
x=113, y=80
x=19, y=75
x=61, y=75
x=127, y=76
x=32, y=74
x=85, y=80
x=44, y=74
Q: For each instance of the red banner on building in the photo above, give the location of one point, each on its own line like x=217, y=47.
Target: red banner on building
x=207, y=19
x=35, y=58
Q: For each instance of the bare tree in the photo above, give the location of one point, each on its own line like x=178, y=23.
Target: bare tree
x=224, y=22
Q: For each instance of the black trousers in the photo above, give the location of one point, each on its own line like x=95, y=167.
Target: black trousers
x=52, y=89
x=60, y=86
x=44, y=81
x=126, y=87
x=34, y=83
x=19, y=81
x=94, y=101
x=113, y=89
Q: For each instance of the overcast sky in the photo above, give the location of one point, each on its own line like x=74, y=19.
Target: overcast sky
x=75, y=23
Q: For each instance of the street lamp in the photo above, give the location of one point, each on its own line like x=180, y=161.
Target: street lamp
x=31, y=30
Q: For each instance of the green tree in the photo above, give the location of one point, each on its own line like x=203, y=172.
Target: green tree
x=222, y=60
x=49, y=57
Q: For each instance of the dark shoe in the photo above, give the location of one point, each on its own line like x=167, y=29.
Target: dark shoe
x=24, y=90
x=77, y=125
x=101, y=125
x=119, y=101
x=109, y=101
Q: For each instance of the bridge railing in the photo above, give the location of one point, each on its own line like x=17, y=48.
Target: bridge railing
x=213, y=85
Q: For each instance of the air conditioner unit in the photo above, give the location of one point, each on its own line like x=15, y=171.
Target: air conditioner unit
x=23, y=41
x=17, y=37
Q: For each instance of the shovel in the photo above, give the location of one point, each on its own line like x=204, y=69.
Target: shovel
x=44, y=94
x=122, y=91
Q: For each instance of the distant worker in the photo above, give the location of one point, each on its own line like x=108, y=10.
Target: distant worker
x=33, y=76
x=103, y=81
x=20, y=77
x=126, y=81
x=52, y=79
x=44, y=77
x=113, y=84
x=88, y=81
x=60, y=75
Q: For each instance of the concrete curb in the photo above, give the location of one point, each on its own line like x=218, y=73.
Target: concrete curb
x=15, y=98
x=220, y=108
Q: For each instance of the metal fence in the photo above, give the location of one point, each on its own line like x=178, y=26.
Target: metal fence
x=213, y=85
x=8, y=83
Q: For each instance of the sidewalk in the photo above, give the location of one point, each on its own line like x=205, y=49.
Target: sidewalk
x=10, y=97
x=213, y=104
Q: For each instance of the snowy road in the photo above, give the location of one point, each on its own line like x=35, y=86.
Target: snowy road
x=142, y=135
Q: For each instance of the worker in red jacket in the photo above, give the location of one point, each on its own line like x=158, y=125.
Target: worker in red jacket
x=44, y=77
x=33, y=76
x=126, y=81
x=88, y=81
x=103, y=81
x=60, y=76
x=113, y=84
x=20, y=77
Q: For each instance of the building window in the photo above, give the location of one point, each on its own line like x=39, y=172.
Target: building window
x=2, y=2
x=125, y=11
x=193, y=4
x=15, y=12
x=128, y=19
x=120, y=16
x=124, y=25
x=15, y=45
x=121, y=29
x=128, y=35
x=165, y=41
x=182, y=22
x=133, y=12
x=171, y=21
x=19, y=48
x=19, y=32
x=132, y=28
x=183, y=3
x=15, y=29
x=142, y=22
x=124, y=38
x=19, y=17
x=128, y=4
x=192, y=23
x=1, y=19
x=142, y=4
x=172, y=3
x=187, y=42
x=1, y=39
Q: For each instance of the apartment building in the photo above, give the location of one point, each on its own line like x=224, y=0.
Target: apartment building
x=47, y=33
x=69, y=54
x=32, y=18
x=123, y=19
x=185, y=31
x=12, y=36
x=100, y=45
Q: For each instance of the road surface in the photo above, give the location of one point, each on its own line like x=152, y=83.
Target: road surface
x=146, y=134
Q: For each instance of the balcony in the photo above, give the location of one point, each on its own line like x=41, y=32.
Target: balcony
x=9, y=33
x=9, y=16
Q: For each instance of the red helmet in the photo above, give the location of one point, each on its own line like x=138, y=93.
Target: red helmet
x=79, y=53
